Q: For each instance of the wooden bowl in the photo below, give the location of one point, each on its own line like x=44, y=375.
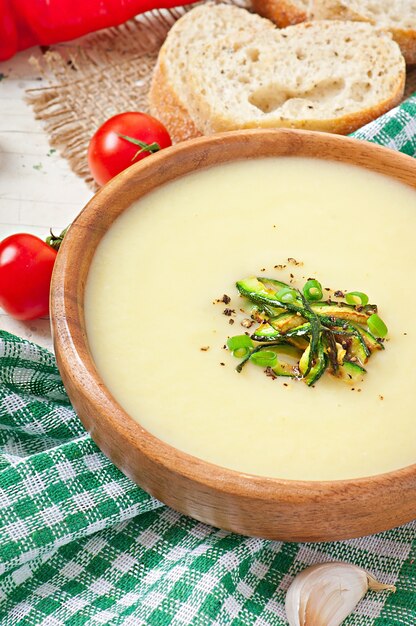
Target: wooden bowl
x=252, y=505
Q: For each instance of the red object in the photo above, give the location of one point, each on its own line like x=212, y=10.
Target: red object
x=26, y=264
x=26, y=23
x=109, y=154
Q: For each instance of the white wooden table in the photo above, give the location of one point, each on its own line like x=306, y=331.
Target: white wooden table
x=37, y=188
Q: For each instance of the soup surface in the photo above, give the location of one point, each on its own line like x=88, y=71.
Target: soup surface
x=150, y=308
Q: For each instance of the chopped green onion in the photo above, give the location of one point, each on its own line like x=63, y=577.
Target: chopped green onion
x=264, y=358
x=312, y=290
x=356, y=298
x=286, y=295
x=241, y=353
x=238, y=342
x=377, y=326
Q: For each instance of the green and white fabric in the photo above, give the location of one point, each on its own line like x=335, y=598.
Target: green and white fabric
x=81, y=545
x=396, y=129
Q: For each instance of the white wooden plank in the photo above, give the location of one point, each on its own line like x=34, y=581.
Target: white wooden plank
x=41, y=214
x=18, y=143
x=41, y=180
x=12, y=106
x=11, y=229
x=13, y=124
x=37, y=189
x=9, y=211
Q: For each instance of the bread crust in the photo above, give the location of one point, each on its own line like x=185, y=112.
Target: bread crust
x=341, y=125
x=407, y=42
x=284, y=13
x=166, y=106
x=281, y=12
x=404, y=37
x=181, y=127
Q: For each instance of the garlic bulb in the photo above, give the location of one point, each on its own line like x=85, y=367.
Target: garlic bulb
x=325, y=594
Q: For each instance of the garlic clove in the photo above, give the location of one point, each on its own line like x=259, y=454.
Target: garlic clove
x=325, y=594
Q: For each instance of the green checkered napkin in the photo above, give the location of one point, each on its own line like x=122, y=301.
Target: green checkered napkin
x=80, y=544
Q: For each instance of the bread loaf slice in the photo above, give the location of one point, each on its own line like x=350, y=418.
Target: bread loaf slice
x=397, y=16
x=326, y=75
x=170, y=88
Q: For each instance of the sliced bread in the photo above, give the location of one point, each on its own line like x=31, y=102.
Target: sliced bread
x=326, y=75
x=397, y=16
x=170, y=88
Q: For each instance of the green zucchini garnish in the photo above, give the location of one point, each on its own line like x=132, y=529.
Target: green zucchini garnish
x=266, y=332
x=351, y=373
x=370, y=341
x=318, y=335
x=312, y=372
x=286, y=321
x=340, y=311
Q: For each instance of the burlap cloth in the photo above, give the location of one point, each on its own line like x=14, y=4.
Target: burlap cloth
x=104, y=74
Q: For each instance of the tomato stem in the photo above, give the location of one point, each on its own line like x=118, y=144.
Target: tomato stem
x=144, y=147
x=55, y=240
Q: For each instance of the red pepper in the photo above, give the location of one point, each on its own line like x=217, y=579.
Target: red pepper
x=26, y=23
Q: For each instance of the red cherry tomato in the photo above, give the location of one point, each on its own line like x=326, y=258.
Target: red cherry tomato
x=26, y=264
x=109, y=153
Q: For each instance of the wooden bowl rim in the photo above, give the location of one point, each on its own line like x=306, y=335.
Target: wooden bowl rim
x=74, y=354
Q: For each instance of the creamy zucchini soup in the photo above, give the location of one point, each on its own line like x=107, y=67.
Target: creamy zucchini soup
x=162, y=303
